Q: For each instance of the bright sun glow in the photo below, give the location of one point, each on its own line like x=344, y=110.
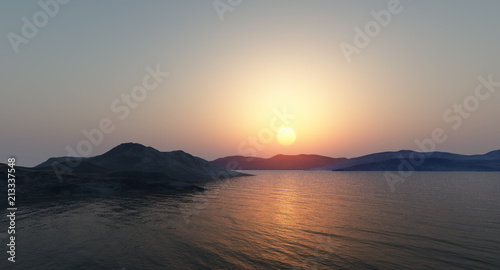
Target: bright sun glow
x=286, y=136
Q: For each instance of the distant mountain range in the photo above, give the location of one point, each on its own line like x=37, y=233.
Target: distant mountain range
x=278, y=162
x=127, y=168
x=386, y=161
x=417, y=161
x=135, y=168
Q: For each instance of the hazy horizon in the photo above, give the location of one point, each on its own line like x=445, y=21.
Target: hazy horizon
x=267, y=157
x=236, y=75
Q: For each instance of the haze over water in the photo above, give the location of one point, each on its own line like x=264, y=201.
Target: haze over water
x=274, y=220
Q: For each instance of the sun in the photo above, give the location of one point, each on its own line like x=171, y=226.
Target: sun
x=286, y=136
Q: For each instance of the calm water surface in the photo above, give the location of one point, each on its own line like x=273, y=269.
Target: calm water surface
x=274, y=220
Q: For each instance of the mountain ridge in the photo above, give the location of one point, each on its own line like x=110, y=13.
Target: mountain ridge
x=380, y=161
x=126, y=168
x=419, y=161
x=277, y=162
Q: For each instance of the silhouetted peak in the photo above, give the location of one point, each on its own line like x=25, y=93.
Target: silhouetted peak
x=130, y=145
x=494, y=154
x=131, y=149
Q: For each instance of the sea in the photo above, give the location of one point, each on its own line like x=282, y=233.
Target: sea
x=272, y=220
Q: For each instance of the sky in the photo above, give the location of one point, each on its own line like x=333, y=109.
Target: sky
x=220, y=78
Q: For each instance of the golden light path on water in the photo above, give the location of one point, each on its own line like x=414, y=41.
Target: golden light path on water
x=276, y=220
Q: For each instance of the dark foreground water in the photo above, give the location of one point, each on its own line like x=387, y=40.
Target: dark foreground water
x=274, y=220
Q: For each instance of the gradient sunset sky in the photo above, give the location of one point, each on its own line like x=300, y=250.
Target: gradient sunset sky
x=227, y=77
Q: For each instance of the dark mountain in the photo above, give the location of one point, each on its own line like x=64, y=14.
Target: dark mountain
x=493, y=154
x=33, y=183
x=127, y=168
x=432, y=161
x=73, y=164
x=278, y=162
x=178, y=164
